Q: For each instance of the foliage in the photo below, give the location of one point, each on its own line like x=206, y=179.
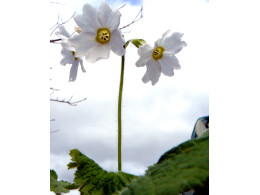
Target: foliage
x=93, y=179
x=183, y=168
x=60, y=186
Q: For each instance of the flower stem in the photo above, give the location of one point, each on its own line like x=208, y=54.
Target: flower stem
x=119, y=113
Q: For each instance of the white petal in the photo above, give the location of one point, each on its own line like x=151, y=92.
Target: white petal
x=165, y=34
x=82, y=43
x=117, y=43
x=153, y=72
x=167, y=65
x=145, y=49
x=145, y=53
x=143, y=60
x=81, y=64
x=68, y=57
x=104, y=13
x=88, y=21
x=66, y=60
x=174, y=43
x=98, y=52
x=109, y=18
x=159, y=41
x=67, y=46
x=62, y=32
x=65, y=52
x=172, y=59
x=114, y=21
x=74, y=71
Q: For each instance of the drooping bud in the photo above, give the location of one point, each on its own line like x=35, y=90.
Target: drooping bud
x=138, y=42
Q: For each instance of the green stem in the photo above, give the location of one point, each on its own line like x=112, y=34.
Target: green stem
x=119, y=113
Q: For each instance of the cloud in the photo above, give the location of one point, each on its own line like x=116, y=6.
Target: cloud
x=131, y=2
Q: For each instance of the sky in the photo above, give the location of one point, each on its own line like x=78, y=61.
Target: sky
x=223, y=41
x=154, y=118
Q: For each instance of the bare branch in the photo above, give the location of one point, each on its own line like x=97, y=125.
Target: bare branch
x=68, y=19
x=61, y=23
x=57, y=22
x=54, y=89
x=68, y=101
x=54, y=40
x=136, y=18
x=121, y=7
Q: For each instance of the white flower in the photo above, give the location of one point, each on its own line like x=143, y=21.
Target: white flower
x=99, y=34
x=160, y=58
x=68, y=54
x=62, y=33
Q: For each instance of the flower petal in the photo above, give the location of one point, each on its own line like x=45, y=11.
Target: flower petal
x=104, y=13
x=67, y=60
x=145, y=49
x=88, y=21
x=63, y=32
x=143, y=60
x=117, y=43
x=173, y=43
x=98, y=52
x=109, y=18
x=74, y=71
x=159, y=41
x=145, y=53
x=64, y=61
x=81, y=64
x=68, y=57
x=114, y=21
x=153, y=72
x=82, y=43
x=67, y=46
x=65, y=52
x=167, y=65
x=172, y=59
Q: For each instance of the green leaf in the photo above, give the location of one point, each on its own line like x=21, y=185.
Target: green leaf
x=183, y=168
x=60, y=186
x=93, y=179
x=53, y=175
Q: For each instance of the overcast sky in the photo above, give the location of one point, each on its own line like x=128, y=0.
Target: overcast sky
x=154, y=118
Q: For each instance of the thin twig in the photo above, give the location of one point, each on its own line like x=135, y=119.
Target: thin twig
x=57, y=22
x=68, y=101
x=54, y=89
x=54, y=40
x=135, y=20
x=121, y=7
x=61, y=23
x=54, y=29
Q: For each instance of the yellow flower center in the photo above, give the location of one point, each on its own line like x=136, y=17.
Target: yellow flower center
x=158, y=53
x=73, y=53
x=103, y=35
